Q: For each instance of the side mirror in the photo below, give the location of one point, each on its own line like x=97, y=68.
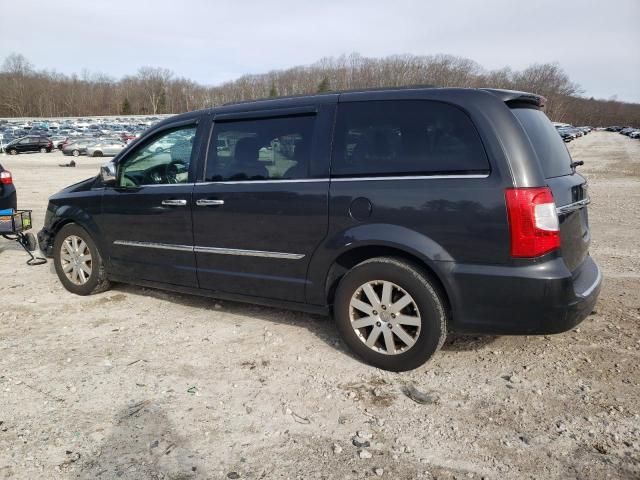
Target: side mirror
x=108, y=174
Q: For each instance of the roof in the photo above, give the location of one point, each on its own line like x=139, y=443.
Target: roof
x=511, y=97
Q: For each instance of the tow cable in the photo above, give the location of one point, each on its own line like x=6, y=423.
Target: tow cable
x=13, y=227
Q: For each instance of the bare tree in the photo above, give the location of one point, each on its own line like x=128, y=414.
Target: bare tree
x=154, y=81
x=25, y=91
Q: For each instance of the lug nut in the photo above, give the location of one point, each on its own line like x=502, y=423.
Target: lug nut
x=384, y=307
x=393, y=315
x=378, y=324
x=375, y=312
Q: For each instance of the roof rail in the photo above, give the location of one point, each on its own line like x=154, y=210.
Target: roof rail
x=331, y=92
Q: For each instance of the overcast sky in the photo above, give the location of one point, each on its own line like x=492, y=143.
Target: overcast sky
x=595, y=41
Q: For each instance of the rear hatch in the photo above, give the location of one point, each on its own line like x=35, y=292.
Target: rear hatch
x=568, y=187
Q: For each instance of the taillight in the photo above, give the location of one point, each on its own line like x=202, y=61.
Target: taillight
x=533, y=221
x=5, y=177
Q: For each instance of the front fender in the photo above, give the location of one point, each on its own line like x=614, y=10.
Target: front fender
x=397, y=237
x=80, y=208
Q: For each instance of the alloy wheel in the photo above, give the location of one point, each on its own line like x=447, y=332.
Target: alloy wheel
x=385, y=317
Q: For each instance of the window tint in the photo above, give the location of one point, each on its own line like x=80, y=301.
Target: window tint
x=550, y=149
x=270, y=148
x=405, y=137
x=164, y=160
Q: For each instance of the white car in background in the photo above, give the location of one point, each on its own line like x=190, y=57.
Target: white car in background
x=107, y=148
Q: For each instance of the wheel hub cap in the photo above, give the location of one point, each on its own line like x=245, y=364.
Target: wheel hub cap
x=75, y=258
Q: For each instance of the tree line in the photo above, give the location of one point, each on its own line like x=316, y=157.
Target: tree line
x=28, y=92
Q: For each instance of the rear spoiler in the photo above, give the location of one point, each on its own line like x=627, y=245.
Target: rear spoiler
x=515, y=99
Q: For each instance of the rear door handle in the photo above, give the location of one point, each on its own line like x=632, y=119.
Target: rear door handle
x=174, y=203
x=209, y=203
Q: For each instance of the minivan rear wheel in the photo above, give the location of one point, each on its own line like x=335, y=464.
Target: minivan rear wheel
x=78, y=261
x=390, y=314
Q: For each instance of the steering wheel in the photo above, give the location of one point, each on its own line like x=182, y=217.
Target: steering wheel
x=173, y=169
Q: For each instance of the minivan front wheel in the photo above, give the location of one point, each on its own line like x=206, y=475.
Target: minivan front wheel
x=390, y=314
x=78, y=261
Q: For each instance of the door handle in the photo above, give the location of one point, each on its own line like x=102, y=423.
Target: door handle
x=209, y=203
x=174, y=203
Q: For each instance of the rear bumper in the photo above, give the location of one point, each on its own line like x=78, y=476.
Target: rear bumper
x=536, y=299
x=9, y=198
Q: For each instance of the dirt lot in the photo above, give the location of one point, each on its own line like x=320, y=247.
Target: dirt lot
x=136, y=383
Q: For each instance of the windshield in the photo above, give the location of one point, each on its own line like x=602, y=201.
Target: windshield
x=548, y=145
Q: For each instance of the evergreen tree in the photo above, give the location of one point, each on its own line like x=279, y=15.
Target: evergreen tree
x=324, y=85
x=162, y=103
x=126, y=107
x=273, y=92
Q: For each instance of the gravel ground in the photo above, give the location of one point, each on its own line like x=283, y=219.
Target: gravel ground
x=137, y=383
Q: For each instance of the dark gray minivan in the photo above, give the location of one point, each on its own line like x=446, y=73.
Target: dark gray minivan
x=406, y=213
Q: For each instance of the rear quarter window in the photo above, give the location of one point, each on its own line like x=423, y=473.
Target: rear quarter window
x=551, y=151
x=405, y=137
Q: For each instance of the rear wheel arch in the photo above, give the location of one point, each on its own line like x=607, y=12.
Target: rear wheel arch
x=352, y=257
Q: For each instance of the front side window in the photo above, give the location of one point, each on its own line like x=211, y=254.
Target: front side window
x=405, y=137
x=261, y=149
x=163, y=160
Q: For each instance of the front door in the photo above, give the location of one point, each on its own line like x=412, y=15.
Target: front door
x=262, y=208
x=146, y=218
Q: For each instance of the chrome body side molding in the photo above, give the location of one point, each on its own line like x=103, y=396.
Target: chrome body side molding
x=213, y=250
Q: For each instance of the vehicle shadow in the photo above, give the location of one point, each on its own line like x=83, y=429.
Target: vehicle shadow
x=320, y=326
x=464, y=343
x=142, y=443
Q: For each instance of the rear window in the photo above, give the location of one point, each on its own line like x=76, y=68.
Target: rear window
x=406, y=137
x=551, y=151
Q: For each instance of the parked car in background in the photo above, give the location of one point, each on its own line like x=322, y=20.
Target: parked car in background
x=29, y=144
x=566, y=136
x=106, y=148
x=77, y=146
x=407, y=214
x=567, y=133
x=634, y=134
x=7, y=190
x=58, y=141
x=626, y=130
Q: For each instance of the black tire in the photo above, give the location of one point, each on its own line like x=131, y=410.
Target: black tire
x=75, y=153
x=97, y=281
x=97, y=153
x=13, y=151
x=427, y=297
x=32, y=243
